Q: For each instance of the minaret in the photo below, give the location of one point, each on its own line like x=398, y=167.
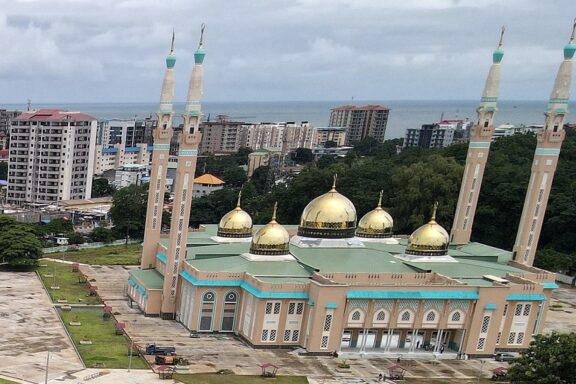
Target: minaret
x=187, y=155
x=162, y=136
x=478, y=150
x=549, y=141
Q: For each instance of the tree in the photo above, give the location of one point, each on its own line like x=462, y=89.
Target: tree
x=235, y=177
x=128, y=211
x=303, y=155
x=550, y=359
x=75, y=238
x=4, y=170
x=102, y=187
x=56, y=226
x=19, y=246
x=263, y=179
x=102, y=235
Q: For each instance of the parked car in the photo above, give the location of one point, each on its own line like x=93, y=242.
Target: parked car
x=502, y=356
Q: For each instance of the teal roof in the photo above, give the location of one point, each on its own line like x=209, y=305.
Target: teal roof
x=255, y=268
x=149, y=278
x=569, y=50
x=497, y=56
x=465, y=268
x=170, y=61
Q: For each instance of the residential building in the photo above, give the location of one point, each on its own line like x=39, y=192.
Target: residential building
x=336, y=135
x=205, y=185
x=361, y=121
x=128, y=132
x=263, y=157
x=117, y=155
x=510, y=130
x=6, y=117
x=131, y=174
x=222, y=136
x=51, y=156
x=429, y=136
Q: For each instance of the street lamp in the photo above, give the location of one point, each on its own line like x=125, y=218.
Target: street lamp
x=482, y=362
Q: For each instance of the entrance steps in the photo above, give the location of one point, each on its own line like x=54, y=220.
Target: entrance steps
x=403, y=355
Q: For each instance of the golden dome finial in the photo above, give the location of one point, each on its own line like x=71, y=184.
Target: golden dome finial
x=377, y=223
x=434, y=209
x=239, y=198
x=380, y=199
x=274, y=212
x=334, y=182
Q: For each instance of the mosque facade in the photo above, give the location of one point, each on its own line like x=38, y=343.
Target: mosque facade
x=334, y=283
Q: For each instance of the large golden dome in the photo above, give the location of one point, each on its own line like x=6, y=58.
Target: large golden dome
x=329, y=216
x=271, y=239
x=375, y=224
x=431, y=239
x=236, y=223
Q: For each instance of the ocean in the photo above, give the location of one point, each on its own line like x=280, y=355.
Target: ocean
x=403, y=114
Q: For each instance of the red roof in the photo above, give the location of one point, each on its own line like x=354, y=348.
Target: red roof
x=361, y=108
x=54, y=115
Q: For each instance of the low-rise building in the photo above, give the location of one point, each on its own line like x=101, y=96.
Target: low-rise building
x=205, y=185
x=131, y=174
x=336, y=135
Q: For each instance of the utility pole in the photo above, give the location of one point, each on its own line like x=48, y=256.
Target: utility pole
x=47, y=363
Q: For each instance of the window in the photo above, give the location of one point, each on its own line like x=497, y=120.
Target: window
x=518, y=310
x=405, y=316
x=511, y=337
x=498, y=337
x=276, y=308
x=291, y=308
x=381, y=316
x=324, y=343
x=527, y=308
x=431, y=316
x=295, y=335
x=520, y=338
x=356, y=316
x=485, y=324
x=299, y=308
x=481, y=342
x=505, y=310
x=456, y=316
x=287, y=335
x=273, y=335
x=264, y=335
x=327, y=322
x=268, y=308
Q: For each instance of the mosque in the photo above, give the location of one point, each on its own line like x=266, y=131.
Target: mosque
x=336, y=283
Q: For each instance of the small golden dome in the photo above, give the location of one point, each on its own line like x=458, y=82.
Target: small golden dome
x=271, y=239
x=329, y=216
x=236, y=223
x=429, y=240
x=375, y=224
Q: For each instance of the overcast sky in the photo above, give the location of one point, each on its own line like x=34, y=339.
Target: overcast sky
x=114, y=50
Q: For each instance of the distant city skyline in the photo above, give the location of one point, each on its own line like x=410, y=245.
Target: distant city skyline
x=65, y=51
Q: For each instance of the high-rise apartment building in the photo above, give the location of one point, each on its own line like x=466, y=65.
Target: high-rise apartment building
x=429, y=136
x=222, y=136
x=364, y=121
x=51, y=156
x=128, y=132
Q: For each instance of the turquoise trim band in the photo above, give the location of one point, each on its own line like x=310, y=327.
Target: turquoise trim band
x=547, y=152
x=479, y=144
x=244, y=285
x=526, y=297
x=490, y=306
x=488, y=99
x=133, y=283
x=331, y=306
x=558, y=101
x=550, y=285
x=188, y=152
x=464, y=295
x=311, y=303
x=161, y=258
x=161, y=147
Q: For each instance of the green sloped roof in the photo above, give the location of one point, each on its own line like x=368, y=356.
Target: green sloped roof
x=465, y=268
x=255, y=268
x=150, y=278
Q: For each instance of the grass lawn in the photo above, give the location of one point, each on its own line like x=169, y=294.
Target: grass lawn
x=107, y=347
x=4, y=381
x=214, y=378
x=110, y=255
x=67, y=280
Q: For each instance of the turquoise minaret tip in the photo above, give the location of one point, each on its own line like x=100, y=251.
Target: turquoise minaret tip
x=570, y=48
x=499, y=52
x=200, y=53
x=171, y=58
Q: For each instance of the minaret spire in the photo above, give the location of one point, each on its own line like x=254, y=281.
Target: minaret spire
x=187, y=156
x=434, y=209
x=274, y=212
x=478, y=150
x=160, y=155
x=380, y=199
x=549, y=142
x=239, y=199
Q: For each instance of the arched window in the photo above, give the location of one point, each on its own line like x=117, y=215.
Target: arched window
x=431, y=317
x=356, y=317
x=405, y=316
x=380, y=316
x=456, y=317
x=229, y=312
x=207, y=311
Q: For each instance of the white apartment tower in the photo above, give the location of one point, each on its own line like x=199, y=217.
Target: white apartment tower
x=51, y=156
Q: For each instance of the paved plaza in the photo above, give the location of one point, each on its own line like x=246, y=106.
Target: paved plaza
x=31, y=326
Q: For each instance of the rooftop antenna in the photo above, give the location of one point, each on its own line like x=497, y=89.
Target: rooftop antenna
x=28, y=105
x=202, y=28
x=172, y=44
x=502, y=36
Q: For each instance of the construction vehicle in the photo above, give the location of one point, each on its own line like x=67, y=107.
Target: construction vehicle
x=170, y=360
